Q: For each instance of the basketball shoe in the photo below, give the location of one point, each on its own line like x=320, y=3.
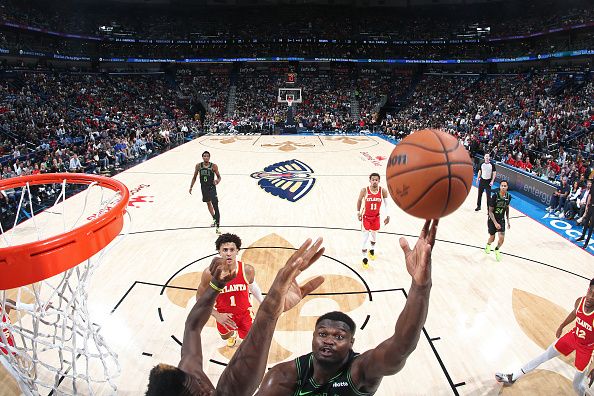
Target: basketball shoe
x=218, y=230
x=371, y=254
x=506, y=379
x=231, y=341
x=365, y=263
x=497, y=255
x=488, y=248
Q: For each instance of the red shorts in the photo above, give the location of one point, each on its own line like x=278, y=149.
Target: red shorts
x=371, y=223
x=243, y=321
x=568, y=343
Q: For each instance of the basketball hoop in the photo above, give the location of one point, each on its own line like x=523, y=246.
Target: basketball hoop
x=45, y=269
x=289, y=102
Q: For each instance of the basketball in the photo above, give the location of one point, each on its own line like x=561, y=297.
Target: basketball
x=429, y=174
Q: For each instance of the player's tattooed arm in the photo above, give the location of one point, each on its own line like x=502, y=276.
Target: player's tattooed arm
x=389, y=357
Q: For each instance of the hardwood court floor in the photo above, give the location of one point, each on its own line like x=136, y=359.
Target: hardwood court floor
x=484, y=316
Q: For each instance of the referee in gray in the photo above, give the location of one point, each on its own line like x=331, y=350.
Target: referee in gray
x=485, y=179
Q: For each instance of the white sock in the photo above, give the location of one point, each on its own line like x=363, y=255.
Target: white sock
x=550, y=353
x=579, y=385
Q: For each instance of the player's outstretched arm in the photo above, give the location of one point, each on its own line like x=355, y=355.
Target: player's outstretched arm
x=389, y=357
x=283, y=295
x=191, y=352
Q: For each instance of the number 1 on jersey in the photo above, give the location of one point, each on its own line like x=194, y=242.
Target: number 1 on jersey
x=232, y=301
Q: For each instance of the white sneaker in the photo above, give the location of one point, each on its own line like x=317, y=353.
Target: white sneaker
x=505, y=379
x=561, y=215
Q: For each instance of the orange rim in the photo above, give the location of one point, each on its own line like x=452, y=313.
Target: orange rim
x=35, y=261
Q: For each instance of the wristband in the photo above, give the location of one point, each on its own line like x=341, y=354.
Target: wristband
x=215, y=287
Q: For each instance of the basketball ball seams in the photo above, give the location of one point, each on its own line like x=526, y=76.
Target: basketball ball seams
x=416, y=201
x=456, y=177
x=428, y=149
x=447, y=202
x=427, y=167
x=430, y=187
x=463, y=182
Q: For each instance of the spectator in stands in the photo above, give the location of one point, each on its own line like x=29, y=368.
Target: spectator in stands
x=559, y=197
x=571, y=208
x=75, y=165
x=581, y=202
x=538, y=170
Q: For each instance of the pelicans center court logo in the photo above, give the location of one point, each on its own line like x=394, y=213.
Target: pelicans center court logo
x=290, y=180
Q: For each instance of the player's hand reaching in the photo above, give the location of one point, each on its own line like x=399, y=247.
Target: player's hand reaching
x=359, y=216
x=220, y=271
x=190, y=190
x=285, y=292
x=386, y=220
x=418, y=260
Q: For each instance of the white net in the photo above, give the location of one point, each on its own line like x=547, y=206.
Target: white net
x=48, y=341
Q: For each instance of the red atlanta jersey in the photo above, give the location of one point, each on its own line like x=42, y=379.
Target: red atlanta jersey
x=373, y=202
x=584, y=323
x=235, y=297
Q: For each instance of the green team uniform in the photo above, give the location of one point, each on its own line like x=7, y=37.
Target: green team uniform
x=499, y=205
x=207, y=177
x=339, y=385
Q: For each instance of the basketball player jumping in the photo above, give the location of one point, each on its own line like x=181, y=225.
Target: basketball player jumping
x=369, y=216
x=580, y=339
x=233, y=309
x=332, y=367
x=498, y=211
x=208, y=183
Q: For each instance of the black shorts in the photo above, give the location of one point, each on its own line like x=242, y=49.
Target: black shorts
x=209, y=193
x=493, y=230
